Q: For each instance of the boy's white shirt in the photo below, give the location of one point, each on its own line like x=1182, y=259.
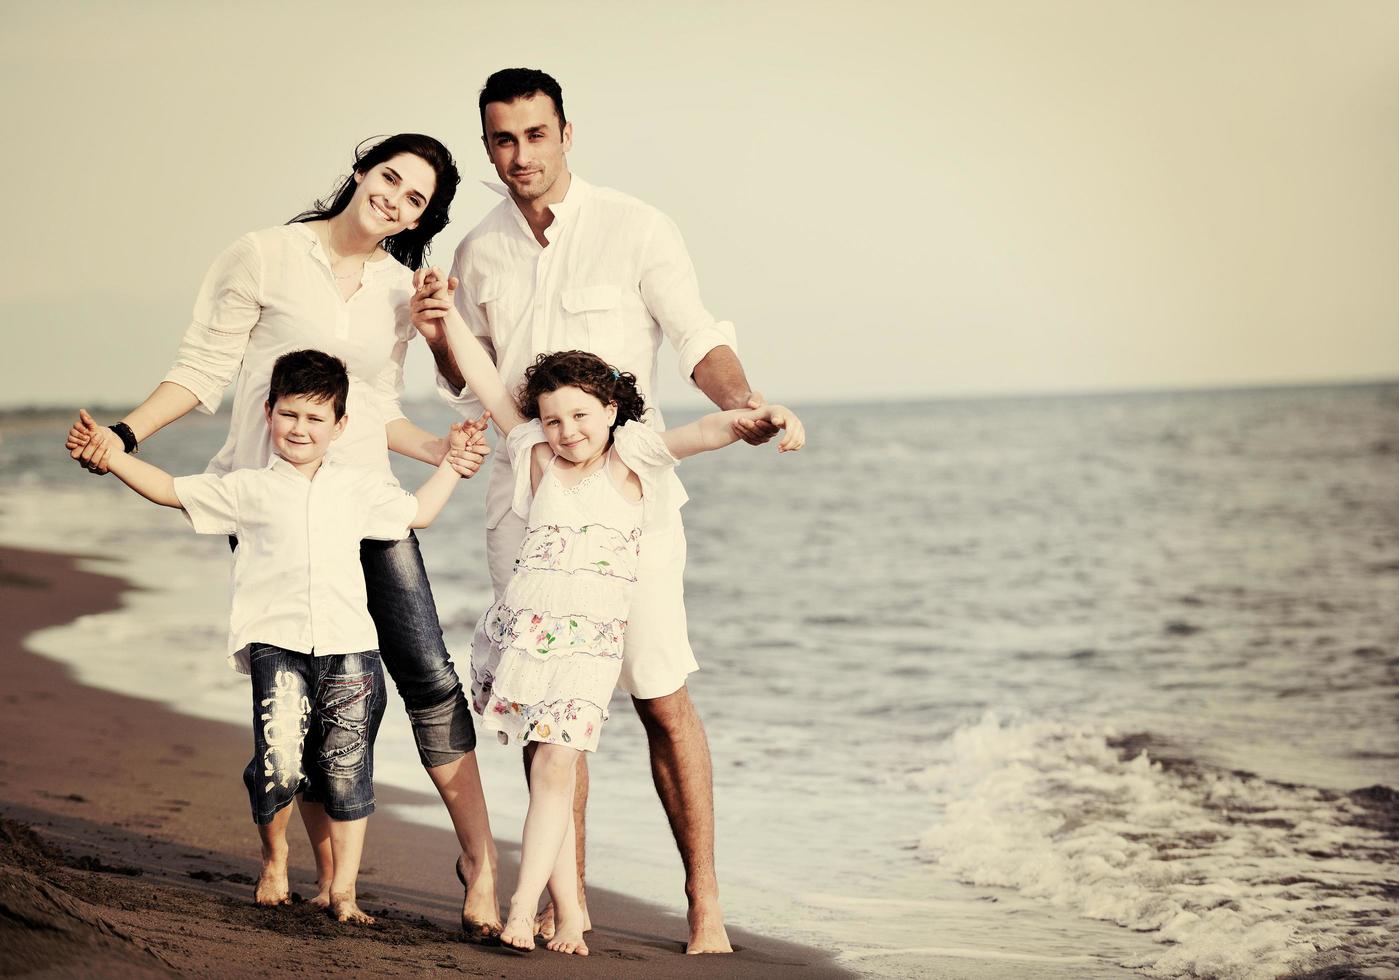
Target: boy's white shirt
x=297, y=580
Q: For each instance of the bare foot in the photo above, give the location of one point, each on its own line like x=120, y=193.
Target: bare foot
x=322, y=899
x=519, y=931
x=707, y=934
x=568, y=941
x=480, y=912
x=345, y=909
x=272, y=886
x=544, y=921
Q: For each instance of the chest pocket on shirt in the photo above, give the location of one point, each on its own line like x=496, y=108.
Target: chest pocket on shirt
x=599, y=310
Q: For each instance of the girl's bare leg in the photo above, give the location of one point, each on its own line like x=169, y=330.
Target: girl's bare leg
x=550, y=807
x=347, y=844
x=313, y=817
x=272, y=885
x=563, y=889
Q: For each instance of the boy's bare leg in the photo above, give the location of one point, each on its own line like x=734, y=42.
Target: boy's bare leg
x=313, y=817
x=684, y=778
x=347, y=844
x=459, y=784
x=550, y=804
x=563, y=887
x=544, y=922
x=272, y=885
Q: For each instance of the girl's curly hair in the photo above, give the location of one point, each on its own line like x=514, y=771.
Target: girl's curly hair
x=588, y=372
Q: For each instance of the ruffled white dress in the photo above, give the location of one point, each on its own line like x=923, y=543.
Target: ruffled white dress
x=545, y=658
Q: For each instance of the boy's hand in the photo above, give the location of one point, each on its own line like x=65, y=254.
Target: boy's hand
x=755, y=432
x=432, y=301
x=781, y=417
x=466, y=445
x=91, y=444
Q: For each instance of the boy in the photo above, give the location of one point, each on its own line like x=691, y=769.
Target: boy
x=300, y=624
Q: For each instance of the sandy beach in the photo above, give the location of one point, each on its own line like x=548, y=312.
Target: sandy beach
x=126, y=850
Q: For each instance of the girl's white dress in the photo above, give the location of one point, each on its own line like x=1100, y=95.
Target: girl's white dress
x=546, y=656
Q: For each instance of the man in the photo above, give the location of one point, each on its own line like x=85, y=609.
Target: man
x=562, y=265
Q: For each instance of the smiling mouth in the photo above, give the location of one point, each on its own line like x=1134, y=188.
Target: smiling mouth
x=525, y=175
x=380, y=211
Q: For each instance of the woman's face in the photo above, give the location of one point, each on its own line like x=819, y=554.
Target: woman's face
x=392, y=195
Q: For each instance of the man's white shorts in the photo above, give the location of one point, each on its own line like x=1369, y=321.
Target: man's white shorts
x=656, y=657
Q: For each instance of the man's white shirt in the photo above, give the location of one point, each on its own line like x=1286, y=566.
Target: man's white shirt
x=615, y=279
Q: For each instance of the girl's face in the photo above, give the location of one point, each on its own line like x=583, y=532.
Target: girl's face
x=577, y=425
x=393, y=195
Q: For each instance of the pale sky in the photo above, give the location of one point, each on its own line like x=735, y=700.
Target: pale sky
x=911, y=199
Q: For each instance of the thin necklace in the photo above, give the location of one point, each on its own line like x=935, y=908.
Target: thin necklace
x=333, y=258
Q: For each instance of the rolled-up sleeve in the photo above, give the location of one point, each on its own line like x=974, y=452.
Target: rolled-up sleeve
x=225, y=312
x=469, y=306
x=388, y=383
x=210, y=502
x=671, y=293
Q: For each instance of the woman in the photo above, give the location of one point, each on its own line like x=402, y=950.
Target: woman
x=338, y=278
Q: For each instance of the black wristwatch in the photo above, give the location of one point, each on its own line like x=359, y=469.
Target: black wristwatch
x=128, y=438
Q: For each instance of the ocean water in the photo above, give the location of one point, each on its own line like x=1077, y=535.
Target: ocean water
x=1057, y=687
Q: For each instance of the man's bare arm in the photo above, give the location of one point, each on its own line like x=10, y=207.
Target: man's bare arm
x=719, y=374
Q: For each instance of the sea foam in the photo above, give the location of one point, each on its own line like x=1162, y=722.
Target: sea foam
x=1237, y=877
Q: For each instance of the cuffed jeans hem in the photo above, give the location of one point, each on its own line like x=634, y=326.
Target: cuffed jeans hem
x=263, y=819
x=445, y=732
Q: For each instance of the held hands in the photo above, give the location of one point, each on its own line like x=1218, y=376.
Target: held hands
x=755, y=431
x=466, y=446
x=779, y=417
x=432, y=301
x=92, y=444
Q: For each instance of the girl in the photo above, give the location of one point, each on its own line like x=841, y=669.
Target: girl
x=546, y=656
x=338, y=278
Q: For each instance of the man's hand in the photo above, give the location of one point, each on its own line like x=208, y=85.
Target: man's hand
x=466, y=446
x=755, y=432
x=92, y=444
x=432, y=300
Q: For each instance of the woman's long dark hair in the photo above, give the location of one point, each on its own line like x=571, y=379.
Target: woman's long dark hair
x=411, y=245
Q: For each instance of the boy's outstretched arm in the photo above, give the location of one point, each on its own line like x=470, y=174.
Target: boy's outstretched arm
x=718, y=429
x=477, y=369
x=434, y=494
x=149, y=481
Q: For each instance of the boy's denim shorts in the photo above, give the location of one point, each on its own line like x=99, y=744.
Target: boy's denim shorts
x=314, y=724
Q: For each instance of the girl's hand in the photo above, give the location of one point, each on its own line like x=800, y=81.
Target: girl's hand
x=432, y=300
x=92, y=444
x=754, y=431
x=784, y=418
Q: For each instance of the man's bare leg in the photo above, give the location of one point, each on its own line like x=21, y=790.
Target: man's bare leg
x=347, y=842
x=684, y=778
x=317, y=824
x=459, y=784
x=544, y=923
x=272, y=885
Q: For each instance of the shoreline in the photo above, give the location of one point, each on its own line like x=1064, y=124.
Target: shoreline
x=142, y=856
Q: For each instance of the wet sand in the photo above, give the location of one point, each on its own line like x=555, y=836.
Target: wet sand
x=126, y=848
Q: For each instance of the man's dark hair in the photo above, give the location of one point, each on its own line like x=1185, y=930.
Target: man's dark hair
x=310, y=374
x=510, y=84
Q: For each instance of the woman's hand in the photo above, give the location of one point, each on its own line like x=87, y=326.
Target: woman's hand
x=92, y=444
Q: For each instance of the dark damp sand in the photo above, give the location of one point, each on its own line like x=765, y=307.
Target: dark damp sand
x=138, y=856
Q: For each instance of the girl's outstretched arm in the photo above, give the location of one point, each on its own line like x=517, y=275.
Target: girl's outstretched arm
x=475, y=364
x=716, y=430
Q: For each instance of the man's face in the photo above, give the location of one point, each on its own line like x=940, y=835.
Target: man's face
x=526, y=146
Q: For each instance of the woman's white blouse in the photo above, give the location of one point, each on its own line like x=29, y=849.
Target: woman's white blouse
x=272, y=292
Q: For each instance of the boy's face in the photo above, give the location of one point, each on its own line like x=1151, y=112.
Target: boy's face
x=303, y=428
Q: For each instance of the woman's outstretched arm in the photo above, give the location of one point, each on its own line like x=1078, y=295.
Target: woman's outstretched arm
x=93, y=448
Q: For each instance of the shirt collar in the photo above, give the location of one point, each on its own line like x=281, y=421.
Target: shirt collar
x=317, y=252
x=564, y=211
